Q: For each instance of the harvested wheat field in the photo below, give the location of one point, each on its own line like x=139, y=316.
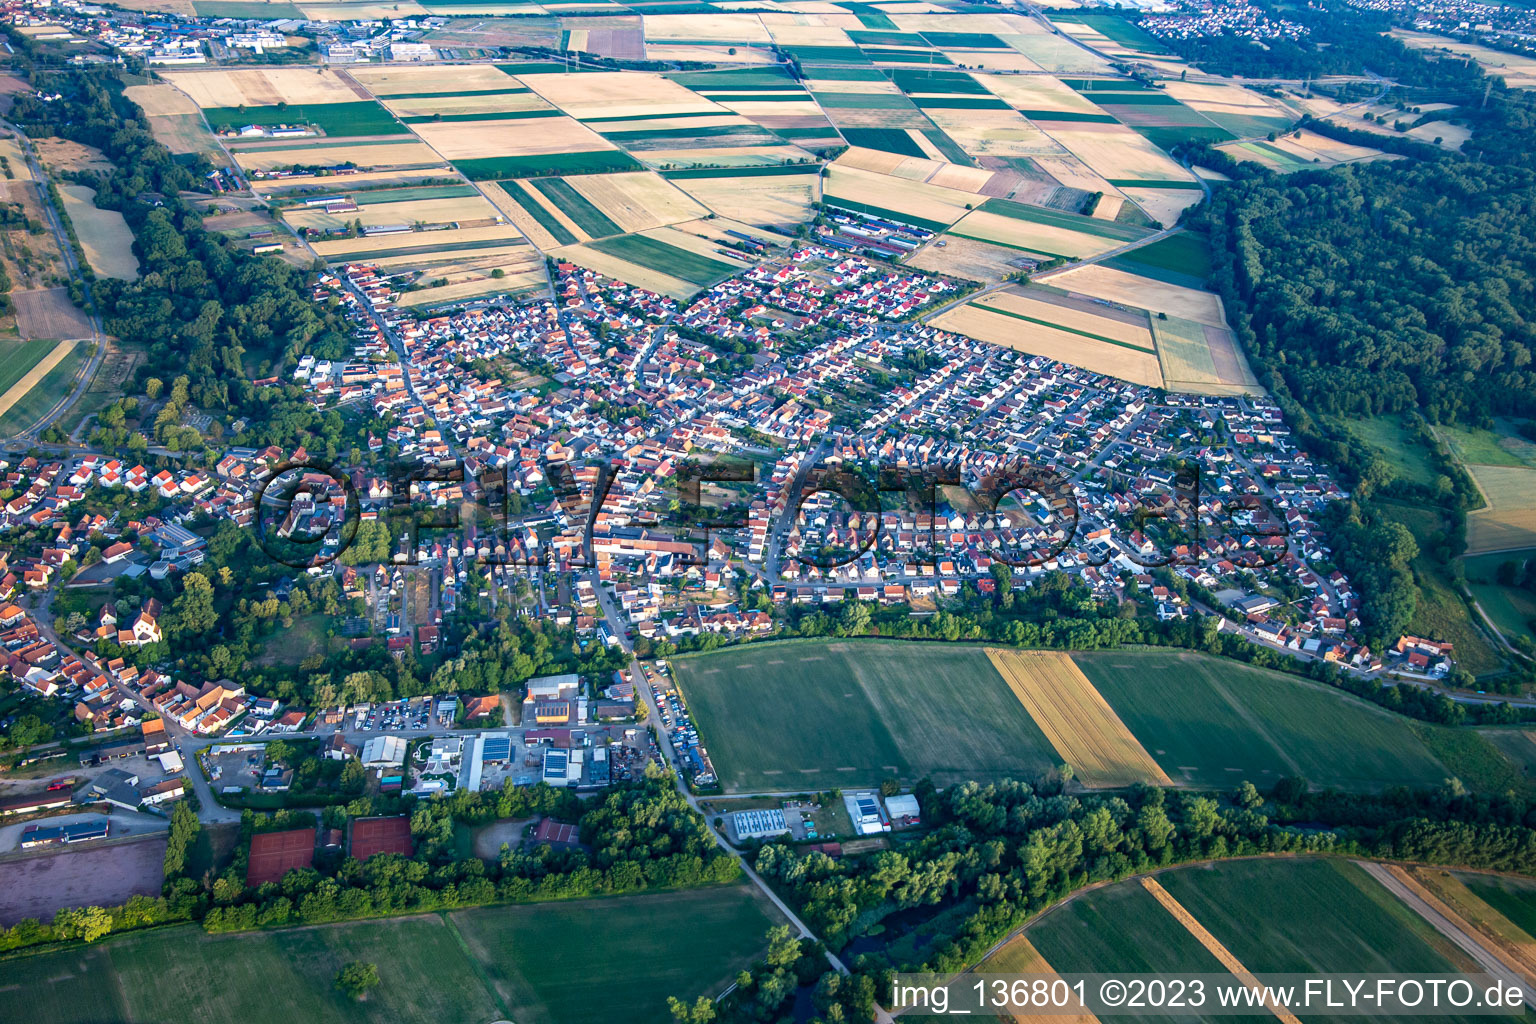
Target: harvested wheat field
x=970, y=259
x=456, y=210
x=934, y=204
x=48, y=313
x=161, y=98
x=1509, y=521
x=460, y=107
x=362, y=155
x=1119, y=154
x=990, y=319
x=779, y=200
x=103, y=234
x=15, y=158
x=617, y=94
x=1101, y=282
x=265, y=87
x=467, y=140
x=1079, y=722
x=637, y=201
x=444, y=240
x=1019, y=956
x=714, y=28
x=398, y=79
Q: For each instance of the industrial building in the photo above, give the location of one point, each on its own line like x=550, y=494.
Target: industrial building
x=865, y=813
x=759, y=824
x=383, y=751
x=903, y=809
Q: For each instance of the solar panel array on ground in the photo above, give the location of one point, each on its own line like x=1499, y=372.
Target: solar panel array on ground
x=381, y=835
x=274, y=854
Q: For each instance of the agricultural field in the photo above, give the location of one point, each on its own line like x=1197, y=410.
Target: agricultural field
x=1098, y=338
x=175, y=120
x=1518, y=72
x=583, y=963
x=1302, y=150
x=1511, y=608
x=1249, y=916
x=103, y=234
x=1050, y=233
x=1210, y=722
x=1503, y=465
x=1497, y=910
x=667, y=260
x=1388, y=436
x=844, y=714
x=17, y=358
x=763, y=200
x=1082, y=728
x=52, y=384
x=545, y=964
x=265, y=87
x=1183, y=259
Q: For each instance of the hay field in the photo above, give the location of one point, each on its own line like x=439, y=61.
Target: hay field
x=406, y=79
x=14, y=156
x=1518, y=72
x=745, y=27
x=1080, y=724
x=1509, y=521
x=1119, y=155
x=1101, y=282
x=779, y=200
x=161, y=98
x=617, y=94
x=463, y=140
x=391, y=154
x=1001, y=133
x=987, y=320
x=265, y=87
x=103, y=234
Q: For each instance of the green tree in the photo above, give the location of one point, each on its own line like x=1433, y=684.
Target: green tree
x=356, y=978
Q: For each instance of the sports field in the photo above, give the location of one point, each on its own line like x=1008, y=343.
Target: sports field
x=553, y=963
x=815, y=715
x=1212, y=722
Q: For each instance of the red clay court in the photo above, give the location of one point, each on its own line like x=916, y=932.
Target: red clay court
x=381, y=835
x=274, y=854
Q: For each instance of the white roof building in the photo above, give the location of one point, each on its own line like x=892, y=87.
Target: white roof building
x=384, y=751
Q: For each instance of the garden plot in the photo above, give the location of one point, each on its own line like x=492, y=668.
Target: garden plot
x=265, y=87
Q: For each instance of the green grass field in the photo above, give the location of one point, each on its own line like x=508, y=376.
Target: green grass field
x=801, y=716
x=1515, y=898
x=576, y=206
x=1212, y=722
x=264, y=9
x=337, y=120
x=535, y=209
x=35, y=404
x=406, y=195
x=552, y=963
x=1512, y=609
x=1118, y=928
x=1111, y=26
x=1183, y=259
x=1479, y=447
x=1386, y=435
x=601, y=161
x=18, y=357
x=574, y=963
x=666, y=258
x=886, y=140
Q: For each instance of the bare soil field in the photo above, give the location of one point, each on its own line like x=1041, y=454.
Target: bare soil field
x=48, y=313
x=103, y=876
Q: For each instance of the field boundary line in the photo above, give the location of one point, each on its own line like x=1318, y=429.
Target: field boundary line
x=1212, y=944
x=1516, y=958
x=1258, y=726
x=34, y=376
